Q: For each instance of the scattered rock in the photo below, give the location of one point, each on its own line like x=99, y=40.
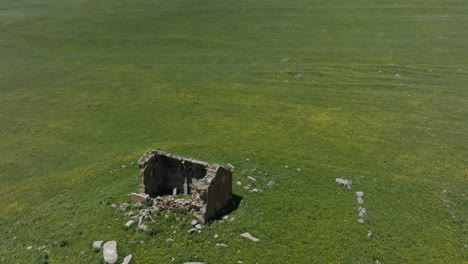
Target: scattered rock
x=246, y=187
x=251, y=178
x=138, y=204
x=230, y=166
x=369, y=233
x=114, y=205
x=169, y=240
x=97, y=244
x=139, y=197
x=129, y=223
x=345, y=183
x=143, y=227
x=221, y=245
x=285, y=59
x=298, y=169
x=216, y=236
x=192, y=230
x=124, y=206
x=249, y=236
x=239, y=183
x=127, y=259
x=254, y=190
x=359, y=194
x=194, y=263
x=360, y=220
x=29, y=248
x=124, y=166
x=360, y=200
x=110, y=252
x=194, y=222
x=198, y=226
x=443, y=191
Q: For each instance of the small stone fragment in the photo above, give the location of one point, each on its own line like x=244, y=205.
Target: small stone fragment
x=127, y=259
x=139, y=197
x=254, y=190
x=249, y=236
x=360, y=220
x=216, y=236
x=221, y=245
x=285, y=59
x=239, y=183
x=169, y=240
x=97, y=244
x=251, y=178
x=194, y=222
x=360, y=200
x=129, y=223
x=192, y=230
x=29, y=248
x=359, y=194
x=198, y=226
x=114, y=205
x=143, y=227
x=110, y=252
x=194, y=263
x=369, y=233
x=124, y=206
x=270, y=184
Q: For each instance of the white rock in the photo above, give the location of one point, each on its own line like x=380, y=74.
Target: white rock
x=360, y=220
x=29, y=248
x=249, y=236
x=194, y=263
x=254, y=190
x=139, y=197
x=251, y=178
x=362, y=212
x=369, y=233
x=129, y=223
x=169, y=240
x=216, y=236
x=97, y=244
x=360, y=200
x=360, y=194
x=143, y=227
x=239, y=183
x=127, y=259
x=225, y=217
x=194, y=222
x=230, y=166
x=198, y=226
x=246, y=187
x=110, y=252
x=345, y=183
x=192, y=230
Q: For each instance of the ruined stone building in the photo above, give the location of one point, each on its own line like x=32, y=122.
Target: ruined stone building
x=208, y=186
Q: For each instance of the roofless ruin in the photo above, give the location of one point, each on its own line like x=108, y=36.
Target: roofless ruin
x=208, y=187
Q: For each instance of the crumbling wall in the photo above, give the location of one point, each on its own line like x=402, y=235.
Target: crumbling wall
x=210, y=185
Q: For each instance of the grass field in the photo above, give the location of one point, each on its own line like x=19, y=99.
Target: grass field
x=375, y=91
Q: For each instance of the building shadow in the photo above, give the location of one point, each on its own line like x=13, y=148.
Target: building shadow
x=229, y=208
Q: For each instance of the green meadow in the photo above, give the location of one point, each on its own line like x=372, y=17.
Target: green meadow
x=298, y=92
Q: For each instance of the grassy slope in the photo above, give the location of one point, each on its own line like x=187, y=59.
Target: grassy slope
x=87, y=86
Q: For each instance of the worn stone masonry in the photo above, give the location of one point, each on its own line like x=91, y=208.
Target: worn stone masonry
x=164, y=175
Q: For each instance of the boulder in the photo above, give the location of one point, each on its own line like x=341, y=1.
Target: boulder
x=110, y=252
